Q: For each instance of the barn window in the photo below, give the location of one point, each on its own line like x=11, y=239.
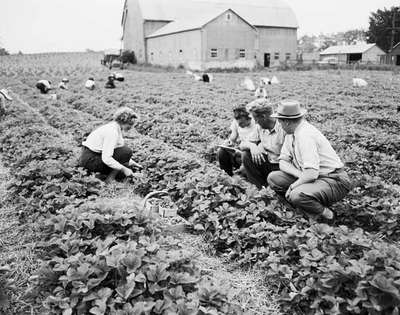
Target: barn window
x=228, y=16
x=287, y=56
x=242, y=53
x=276, y=57
x=214, y=52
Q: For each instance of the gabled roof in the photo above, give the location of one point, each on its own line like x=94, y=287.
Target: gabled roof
x=274, y=13
x=193, y=23
x=348, y=49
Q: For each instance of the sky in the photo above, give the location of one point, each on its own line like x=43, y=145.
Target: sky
x=33, y=26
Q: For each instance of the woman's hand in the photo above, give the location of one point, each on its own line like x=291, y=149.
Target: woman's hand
x=127, y=171
x=134, y=164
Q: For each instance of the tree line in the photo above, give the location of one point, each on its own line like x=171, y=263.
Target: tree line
x=384, y=30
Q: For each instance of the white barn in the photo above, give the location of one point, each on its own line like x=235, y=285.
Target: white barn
x=201, y=34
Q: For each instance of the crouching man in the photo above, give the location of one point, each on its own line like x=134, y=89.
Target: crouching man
x=243, y=129
x=261, y=158
x=311, y=175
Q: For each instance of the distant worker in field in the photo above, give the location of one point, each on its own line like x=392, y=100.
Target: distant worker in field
x=3, y=97
x=119, y=77
x=110, y=82
x=104, y=150
x=206, y=77
x=311, y=175
x=63, y=85
x=44, y=86
x=90, y=84
x=243, y=129
x=262, y=157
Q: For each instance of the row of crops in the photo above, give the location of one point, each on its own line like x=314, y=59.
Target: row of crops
x=350, y=267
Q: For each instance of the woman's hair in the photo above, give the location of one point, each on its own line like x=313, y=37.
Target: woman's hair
x=125, y=115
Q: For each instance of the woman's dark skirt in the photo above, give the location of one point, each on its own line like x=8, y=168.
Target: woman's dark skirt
x=93, y=163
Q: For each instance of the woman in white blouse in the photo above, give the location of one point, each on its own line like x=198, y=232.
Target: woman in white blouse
x=104, y=150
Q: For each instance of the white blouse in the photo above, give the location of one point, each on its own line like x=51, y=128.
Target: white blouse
x=104, y=140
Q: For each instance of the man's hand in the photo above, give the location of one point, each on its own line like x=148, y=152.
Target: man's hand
x=291, y=187
x=127, y=171
x=257, y=154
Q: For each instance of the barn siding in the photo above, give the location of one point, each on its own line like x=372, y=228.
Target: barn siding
x=175, y=49
x=342, y=58
x=228, y=36
x=276, y=40
x=133, y=31
x=373, y=55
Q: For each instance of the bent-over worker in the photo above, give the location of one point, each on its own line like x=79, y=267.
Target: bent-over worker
x=105, y=151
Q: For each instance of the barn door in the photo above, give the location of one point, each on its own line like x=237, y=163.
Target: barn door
x=267, y=60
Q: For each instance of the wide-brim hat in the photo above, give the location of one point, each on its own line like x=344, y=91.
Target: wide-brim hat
x=289, y=110
x=4, y=92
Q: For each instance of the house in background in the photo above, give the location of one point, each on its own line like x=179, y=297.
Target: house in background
x=366, y=53
x=203, y=34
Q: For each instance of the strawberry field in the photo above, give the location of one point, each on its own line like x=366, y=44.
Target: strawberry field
x=98, y=256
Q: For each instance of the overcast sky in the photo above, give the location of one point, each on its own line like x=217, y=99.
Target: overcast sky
x=74, y=25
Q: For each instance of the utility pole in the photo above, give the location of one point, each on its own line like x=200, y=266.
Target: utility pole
x=393, y=33
x=393, y=30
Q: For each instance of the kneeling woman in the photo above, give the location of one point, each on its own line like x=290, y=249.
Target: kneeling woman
x=104, y=150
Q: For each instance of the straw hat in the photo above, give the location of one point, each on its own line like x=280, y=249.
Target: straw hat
x=289, y=109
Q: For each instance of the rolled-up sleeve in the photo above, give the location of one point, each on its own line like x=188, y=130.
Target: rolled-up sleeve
x=107, y=152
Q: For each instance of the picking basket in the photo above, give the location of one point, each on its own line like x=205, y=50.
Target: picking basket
x=160, y=203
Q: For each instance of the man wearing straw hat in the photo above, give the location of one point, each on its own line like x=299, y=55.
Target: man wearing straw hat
x=3, y=97
x=311, y=175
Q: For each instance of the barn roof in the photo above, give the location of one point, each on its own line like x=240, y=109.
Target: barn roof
x=257, y=12
x=347, y=49
x=192, y=23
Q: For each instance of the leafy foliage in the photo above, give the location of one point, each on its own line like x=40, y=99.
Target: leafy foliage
x=381, y=26
x=349, y=267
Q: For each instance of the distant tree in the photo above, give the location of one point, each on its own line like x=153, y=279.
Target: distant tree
x=307, y=44
x=327, y=41
x=3, y=52
x=351, y=37
x=20, y=53
x=384, y=28
x=128, y=56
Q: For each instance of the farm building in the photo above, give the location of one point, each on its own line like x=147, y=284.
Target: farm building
x=203, y=34
x=370, y=53
x=393, y=57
